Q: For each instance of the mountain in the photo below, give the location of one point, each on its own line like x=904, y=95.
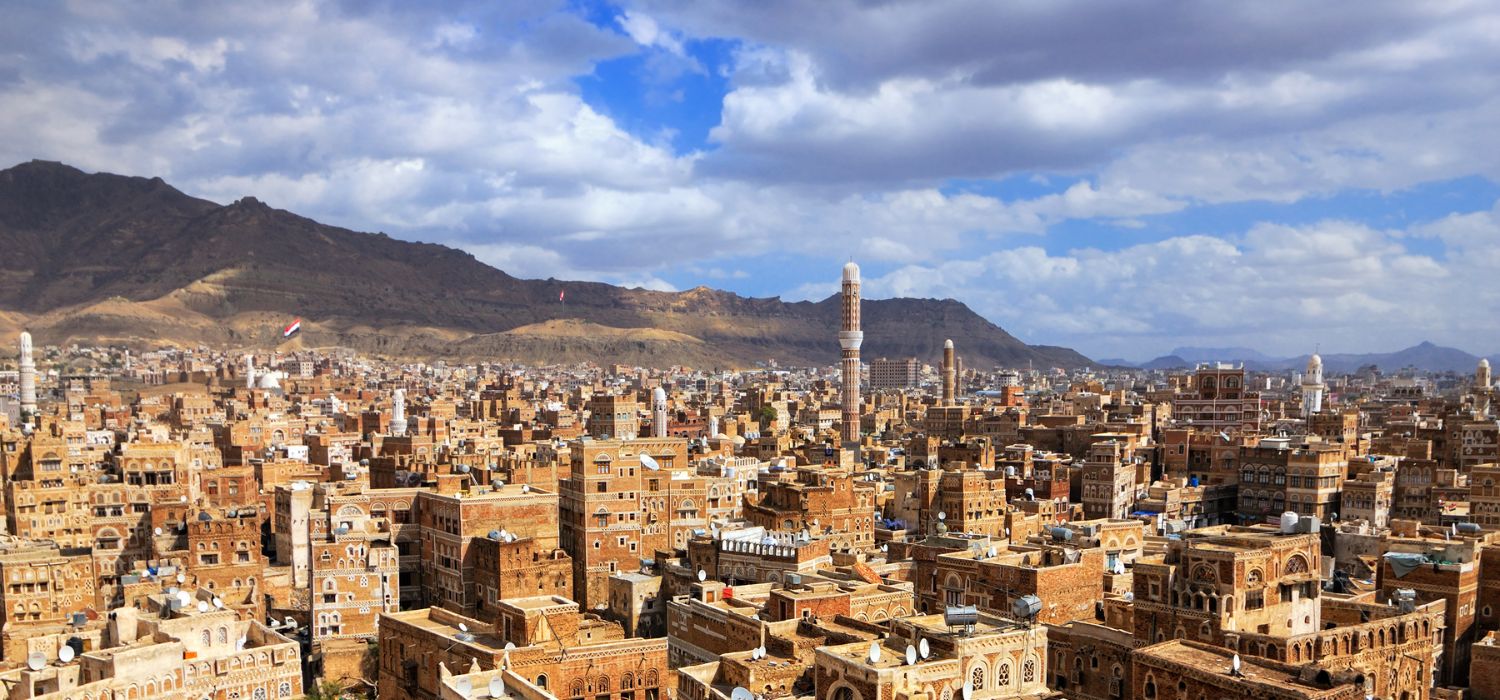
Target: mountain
x=1196, y=355
x=1425, y=356
x=1168, y=362
x=100, y=257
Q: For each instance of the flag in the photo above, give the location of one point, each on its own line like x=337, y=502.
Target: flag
x=292, y=329
x=560, y=294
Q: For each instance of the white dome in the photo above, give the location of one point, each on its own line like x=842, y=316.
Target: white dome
x=1314, y=363
x=851, y=272
x=1484, y=363
x=659, y=395
x=948, y=344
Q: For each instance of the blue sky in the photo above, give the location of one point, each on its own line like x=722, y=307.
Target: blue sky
x=1122, y=178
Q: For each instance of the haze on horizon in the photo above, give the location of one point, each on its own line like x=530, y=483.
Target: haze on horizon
x=1119, y=179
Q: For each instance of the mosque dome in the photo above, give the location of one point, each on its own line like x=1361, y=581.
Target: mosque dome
x=851, y=272
x=1314, y=363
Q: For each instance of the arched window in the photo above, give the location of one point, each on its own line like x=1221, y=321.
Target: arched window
x=843, y=692
x=223, y=635
x=1028, y=671
x=285, y=691
x=976, y=678
x=1002, y=675
x=207, y=638
x=541, y=681
x=259, y=694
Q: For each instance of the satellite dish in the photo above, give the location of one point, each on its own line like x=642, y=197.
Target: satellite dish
x=992, y=552
x=649, y=462
x=463, y=627
x=240, y=645
x=184, y=499
x=911, y=655
x=219, y=603
x=497, y=688
x=464, y=686
x=968, y=691
x=65, y=654
x=158, y=532
x=702, y=575
x=942, y=515
x=760, y=652
x=510, y=645
x=740, y=693
x=874, y=652
x=202, y=606
x=184, y=597
x=923, y=648
x=291, y=622
x=36, y=661
x=1235, y=664
x=181, y=578
x=525, y=488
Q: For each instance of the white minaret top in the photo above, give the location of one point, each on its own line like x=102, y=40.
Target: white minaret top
x=659, y=412
x=1482, y=374
x=1312, y=387
x=398, y=412
x=249, y=371
x=851, y=272
x=27, y=377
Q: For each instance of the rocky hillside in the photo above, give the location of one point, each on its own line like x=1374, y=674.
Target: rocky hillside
x=99, y=257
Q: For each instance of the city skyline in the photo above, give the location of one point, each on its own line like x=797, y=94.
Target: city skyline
x=1270, y=177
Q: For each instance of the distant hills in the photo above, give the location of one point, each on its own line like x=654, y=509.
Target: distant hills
x=1424, y=356
x=99, y=257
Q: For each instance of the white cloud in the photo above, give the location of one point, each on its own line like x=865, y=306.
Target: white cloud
x=1276, y=288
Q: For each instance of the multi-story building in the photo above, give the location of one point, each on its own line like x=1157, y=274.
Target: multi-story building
x=895, y=374
x=1109, y=481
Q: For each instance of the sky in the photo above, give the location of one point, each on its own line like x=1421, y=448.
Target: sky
x=1121, y=177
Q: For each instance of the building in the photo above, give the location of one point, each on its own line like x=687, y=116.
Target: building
x=895, y=374
x=850, y=338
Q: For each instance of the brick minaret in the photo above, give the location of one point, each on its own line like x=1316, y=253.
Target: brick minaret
x=850, y=338
x=950, y=374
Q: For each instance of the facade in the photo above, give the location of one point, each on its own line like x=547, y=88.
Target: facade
x=895, y=374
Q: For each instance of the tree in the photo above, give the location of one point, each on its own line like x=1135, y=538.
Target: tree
x=767, y=415
x=325, y=690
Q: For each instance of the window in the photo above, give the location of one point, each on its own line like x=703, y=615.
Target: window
x=1028, y=671
x=976, y=679
x=1002, y=676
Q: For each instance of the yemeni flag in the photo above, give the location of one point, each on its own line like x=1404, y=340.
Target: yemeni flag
x=560, y=294
x=292, y=329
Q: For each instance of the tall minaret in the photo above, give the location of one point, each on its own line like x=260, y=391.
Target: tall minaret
x=398, y=412
x=1482, y=375
x=1312, y=387
x=950, y=374
x=28, y=379
x=850, y=338
x=659, y=413
x=249, y=371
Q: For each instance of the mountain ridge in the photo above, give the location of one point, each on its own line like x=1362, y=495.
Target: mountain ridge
x=130, y=259
x=1425, y=355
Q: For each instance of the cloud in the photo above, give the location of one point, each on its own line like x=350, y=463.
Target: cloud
x=1277, y=288
x=890, y=131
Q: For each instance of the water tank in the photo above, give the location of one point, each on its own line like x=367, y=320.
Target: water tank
x=1469, y=527
x=961, y=616
x=1289, y=522
x=1309, y=523
x=1026, y=607
x=1061, y=534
